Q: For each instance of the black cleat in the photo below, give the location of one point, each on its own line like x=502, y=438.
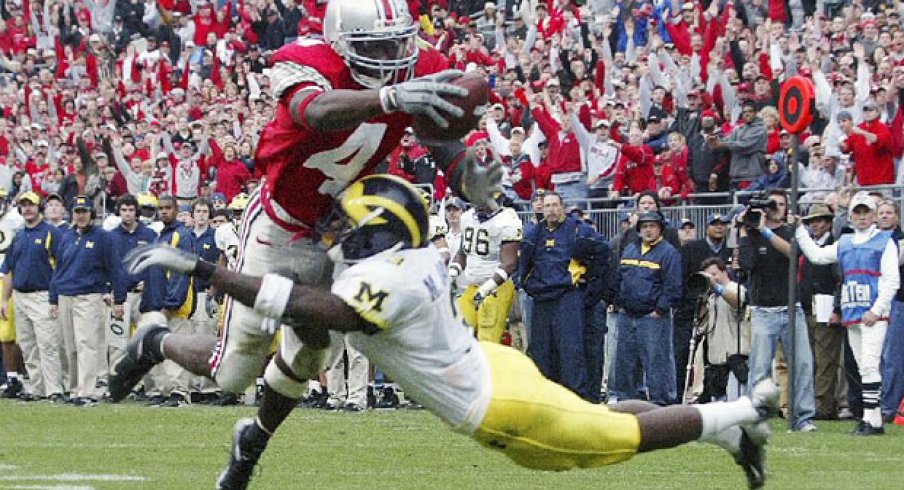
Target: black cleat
x=225, y=400
x=752, y=456
x=243, y=456
x=13, y=388
x=137, y=359
x=864, y=428
x=176, y=400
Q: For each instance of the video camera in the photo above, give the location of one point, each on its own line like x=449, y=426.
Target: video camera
x=698, y=285
x=755, y=209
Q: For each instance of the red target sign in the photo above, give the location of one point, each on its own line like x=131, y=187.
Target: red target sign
x=797, y=104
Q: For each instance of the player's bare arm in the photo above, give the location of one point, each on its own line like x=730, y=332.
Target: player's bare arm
x=316, y=309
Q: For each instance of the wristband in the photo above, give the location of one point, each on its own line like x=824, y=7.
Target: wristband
x=274, y=295
x=387, y=99
x=487, y=287
x=501, y=273
x=767, y=233
x=454, y=270
x=204, y=270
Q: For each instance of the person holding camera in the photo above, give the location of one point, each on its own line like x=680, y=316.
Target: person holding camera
x=727, y=334
x=869, y=266
x=763, y=253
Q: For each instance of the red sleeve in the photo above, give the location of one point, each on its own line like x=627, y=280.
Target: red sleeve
x=618, y=184
x=584, y=116
x=765, y=69
x=897, y=133
x=599, y=78
x=91, y=68
x=547, y=124
x=163, y=77
x=215, y=73
x=183, y=80
x=681, y=38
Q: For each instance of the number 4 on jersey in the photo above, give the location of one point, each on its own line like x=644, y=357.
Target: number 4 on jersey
x=343, y=164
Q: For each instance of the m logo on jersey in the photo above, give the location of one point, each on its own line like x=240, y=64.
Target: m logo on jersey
x=366, y=296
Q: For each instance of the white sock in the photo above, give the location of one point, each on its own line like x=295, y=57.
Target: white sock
x=729, y=439
x=719, y=416
x=873, y=416
x=12, y=375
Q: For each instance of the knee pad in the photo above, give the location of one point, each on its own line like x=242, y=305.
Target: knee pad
x=282, y=383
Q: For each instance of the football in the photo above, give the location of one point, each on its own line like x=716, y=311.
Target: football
x=474, y=105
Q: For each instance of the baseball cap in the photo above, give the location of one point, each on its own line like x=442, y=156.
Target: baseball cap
x=185, y=208
x=844, y=115
x=53, y=196
x=498, y=106
x=686, y=223
x=218, y=196
x=713, y=217
x=31, y=197
x=601, y=123
x=517, y=129
x=81, y=202
x=862, y=198
x=455, y=202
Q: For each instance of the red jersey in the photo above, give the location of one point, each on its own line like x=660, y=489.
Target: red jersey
x=306, y=168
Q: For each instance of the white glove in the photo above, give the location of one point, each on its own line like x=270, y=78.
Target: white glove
x=479, y=183
x=211, y=306
x=485, y=289
x=269, y=326
x=425, y=96
x=165, y=256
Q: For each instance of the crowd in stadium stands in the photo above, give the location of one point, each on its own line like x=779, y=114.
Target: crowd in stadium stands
x=155, y=107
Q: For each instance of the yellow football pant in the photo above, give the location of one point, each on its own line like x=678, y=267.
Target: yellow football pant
x=7, y=327
x=488, y=320
x=542, y=425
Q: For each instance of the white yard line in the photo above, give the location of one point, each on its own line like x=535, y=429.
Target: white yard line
x=72, y=477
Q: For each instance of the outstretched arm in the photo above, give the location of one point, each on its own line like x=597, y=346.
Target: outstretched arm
x=309, y=310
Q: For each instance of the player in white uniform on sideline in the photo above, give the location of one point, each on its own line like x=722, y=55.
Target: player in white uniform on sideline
x=394, y=301
x=487, y=257
x=10, y=224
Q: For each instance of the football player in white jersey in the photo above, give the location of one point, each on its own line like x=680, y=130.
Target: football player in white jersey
x=394, y=302
x=10, y=223
x=487, y=257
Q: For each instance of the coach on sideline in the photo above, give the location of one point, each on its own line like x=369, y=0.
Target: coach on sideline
x=562, y=267
x=33, y=253
x=88, y=262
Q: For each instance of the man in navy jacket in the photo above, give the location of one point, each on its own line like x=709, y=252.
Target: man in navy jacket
x=30, y=260
x=651, y=275
x=563, y=267
x=88, y=267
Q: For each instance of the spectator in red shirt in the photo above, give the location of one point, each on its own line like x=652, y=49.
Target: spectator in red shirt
x=635, y=168
x=870, y=145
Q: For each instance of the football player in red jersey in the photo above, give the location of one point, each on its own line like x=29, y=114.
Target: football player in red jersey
x=344, y=104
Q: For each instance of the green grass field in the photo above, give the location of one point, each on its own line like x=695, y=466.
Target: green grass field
x=129, y=446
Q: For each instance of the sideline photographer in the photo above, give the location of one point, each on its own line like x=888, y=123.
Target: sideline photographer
x=726, y=327
x=764, y=251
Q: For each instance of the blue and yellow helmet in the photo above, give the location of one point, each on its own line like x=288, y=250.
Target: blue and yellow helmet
x=382, y=211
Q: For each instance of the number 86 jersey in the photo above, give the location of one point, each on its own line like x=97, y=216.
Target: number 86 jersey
x=482, y=238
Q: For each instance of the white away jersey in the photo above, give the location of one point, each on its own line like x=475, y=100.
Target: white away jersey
x=482, y=242
x=422, y=343
x=227, y=242
x=10, y=224
x=437, y=227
